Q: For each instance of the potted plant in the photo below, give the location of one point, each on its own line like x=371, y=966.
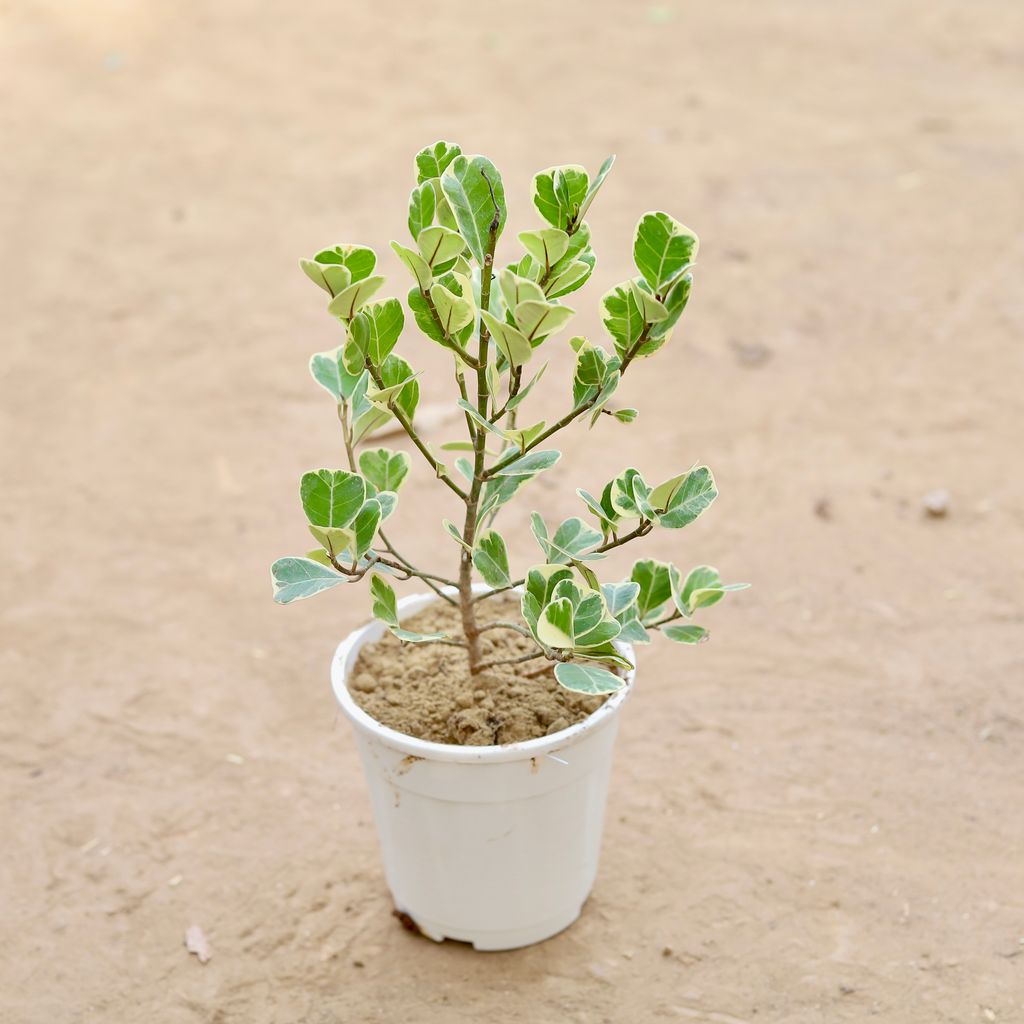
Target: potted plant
x=485, y=707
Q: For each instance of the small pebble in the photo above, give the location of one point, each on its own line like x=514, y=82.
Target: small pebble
x=464, y=700
x=557, y=725
x=364, y=682
x=936, y=503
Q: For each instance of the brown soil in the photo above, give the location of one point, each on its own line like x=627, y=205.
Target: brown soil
x=426, y=690
x=817, y=817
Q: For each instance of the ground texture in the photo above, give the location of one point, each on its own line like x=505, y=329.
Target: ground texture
x=817, y=817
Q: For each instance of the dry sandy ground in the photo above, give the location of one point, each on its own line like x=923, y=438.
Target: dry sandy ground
x=816, y=818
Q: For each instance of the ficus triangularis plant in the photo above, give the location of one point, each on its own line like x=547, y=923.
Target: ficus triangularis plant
x=495, y=322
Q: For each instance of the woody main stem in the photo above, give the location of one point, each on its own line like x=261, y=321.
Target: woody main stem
x=469, y=623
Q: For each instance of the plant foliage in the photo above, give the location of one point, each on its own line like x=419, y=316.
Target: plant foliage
x=494, y=321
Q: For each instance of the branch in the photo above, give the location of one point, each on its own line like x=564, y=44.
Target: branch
x=570, y=416
x=511, y=661
x=415, y=438
x=449, y=341
x=642, y=530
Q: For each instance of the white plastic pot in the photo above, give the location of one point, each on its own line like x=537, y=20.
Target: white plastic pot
x=496, y=845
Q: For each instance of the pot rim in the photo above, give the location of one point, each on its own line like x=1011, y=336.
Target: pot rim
x=452, y=752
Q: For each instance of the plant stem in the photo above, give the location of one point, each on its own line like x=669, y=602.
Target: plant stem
x=426, y=577
x=469, y=625
x=510, y=661
x=415, y=437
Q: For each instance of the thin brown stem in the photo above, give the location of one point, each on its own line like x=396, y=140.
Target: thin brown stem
x=469, y=625
x=407, y=426
x=510, y=661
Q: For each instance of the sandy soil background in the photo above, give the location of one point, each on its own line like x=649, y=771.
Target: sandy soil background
x=817, y=817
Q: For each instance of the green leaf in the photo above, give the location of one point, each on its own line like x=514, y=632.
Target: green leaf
x=686, y=634
x=296, y=578
x=319, y=556
x=388, y=501
x=538, y=319
x=386, y=397
x=333, y=278
x=385, y=604
x=511, y=342
x=620, y=597
x=662, y=247
x=375, y=330
x=358, y=260
x=524, y=436
x=328, y=370
x=594, y=186
x=332, y=497
x=655, y=587
x=516, y=289
x=421, y=208
x=675, y=303
x=554, y=627
x=622, y=317
x=417, y=265
x=454, y=531
x=469, y=196
x=573, y=540
x=524, y=391
x=650, y=308
x=630, y=496
x=384, y=468
x=432, y=161
x=480, y=421
x=439, y=245
x=491, y=559
x=530, y=464
x=606, y=517
x=365, y=526
x=454, y=311
x=337, y=541
x=425, y=318
x=626, y=415
x=587, y=678
x=693, y=495
x=559, y=193
x=394, y=371
x=568, y=280
x=345, y=304
x=547, y=245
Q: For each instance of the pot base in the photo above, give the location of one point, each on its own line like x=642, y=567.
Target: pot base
x=498, y=940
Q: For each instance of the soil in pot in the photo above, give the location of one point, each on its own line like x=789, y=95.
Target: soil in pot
x=426, y=691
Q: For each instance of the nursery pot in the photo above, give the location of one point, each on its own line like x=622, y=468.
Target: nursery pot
x=495, y=845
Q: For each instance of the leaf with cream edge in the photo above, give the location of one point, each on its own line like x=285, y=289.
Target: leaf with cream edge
x=417, y=265
x=490, y=556
x=297, y=578
x=662, y=247
x=331, y=497
x=422, y=203
x=530, y=464
x=384, y=468
x=465, y=184
x=694, y=494
x=439, y=245
x=328, y=370
x=345, y=304
x=537, y=320
x=587, y=679
x=433, y=161
x=454, y=311
x=385, y=608
x=595, y=186
x=686, y=634
x=559, y=193
x=375, y=330
x=512, y=343
x=547, y=246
